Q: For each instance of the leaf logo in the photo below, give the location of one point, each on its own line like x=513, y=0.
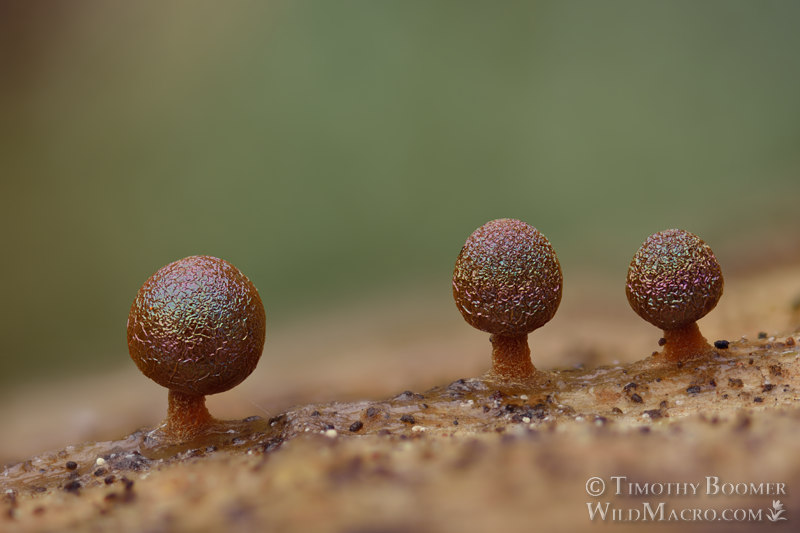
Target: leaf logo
x=774, y=514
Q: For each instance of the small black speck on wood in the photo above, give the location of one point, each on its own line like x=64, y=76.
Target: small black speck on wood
x=408, y=419
x=694, y=389
x=636, y=398
x=356, y=426
x=71, y=465
x=654, y=414
x=721, y=344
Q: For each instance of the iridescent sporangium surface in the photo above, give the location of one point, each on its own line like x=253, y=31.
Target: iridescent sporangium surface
x=197, y=326
x=674, y=279
x=507, y=279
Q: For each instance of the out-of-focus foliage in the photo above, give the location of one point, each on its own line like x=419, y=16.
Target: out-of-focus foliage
x=333, y=148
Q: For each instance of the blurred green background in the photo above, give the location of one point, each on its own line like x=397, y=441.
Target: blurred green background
x=336, y=149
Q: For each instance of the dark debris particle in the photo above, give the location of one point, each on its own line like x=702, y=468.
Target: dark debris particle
x=654, y=414
x=408, y=419
x=790, y=341
x=71, y=465
x=424, y=405
x=767, y=387
x=722, y=344
x=109, y=480
x=658, y=380
x=100, y=472
x=616, y=411
x=328, y=426
x=131, y=461
x=736, y=383
x=372, y=411
x=73, y=486
x=762, y=334
x=630, y=386
x=455, y=422
x=458, y=388
x=758, y=399
x=510, y=407
x=776, y=370
x=409, y=395
x=751, y=361
x=694, y=389
x=356, y=426
x=662, y=341
x=636, y=398
x=713, y=382
x=663, y=404
x=275, y=420
x=315, y=413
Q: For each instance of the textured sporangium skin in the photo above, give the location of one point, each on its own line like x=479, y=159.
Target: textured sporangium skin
x=674, y=279
x=507, y=279
x=197, y=326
